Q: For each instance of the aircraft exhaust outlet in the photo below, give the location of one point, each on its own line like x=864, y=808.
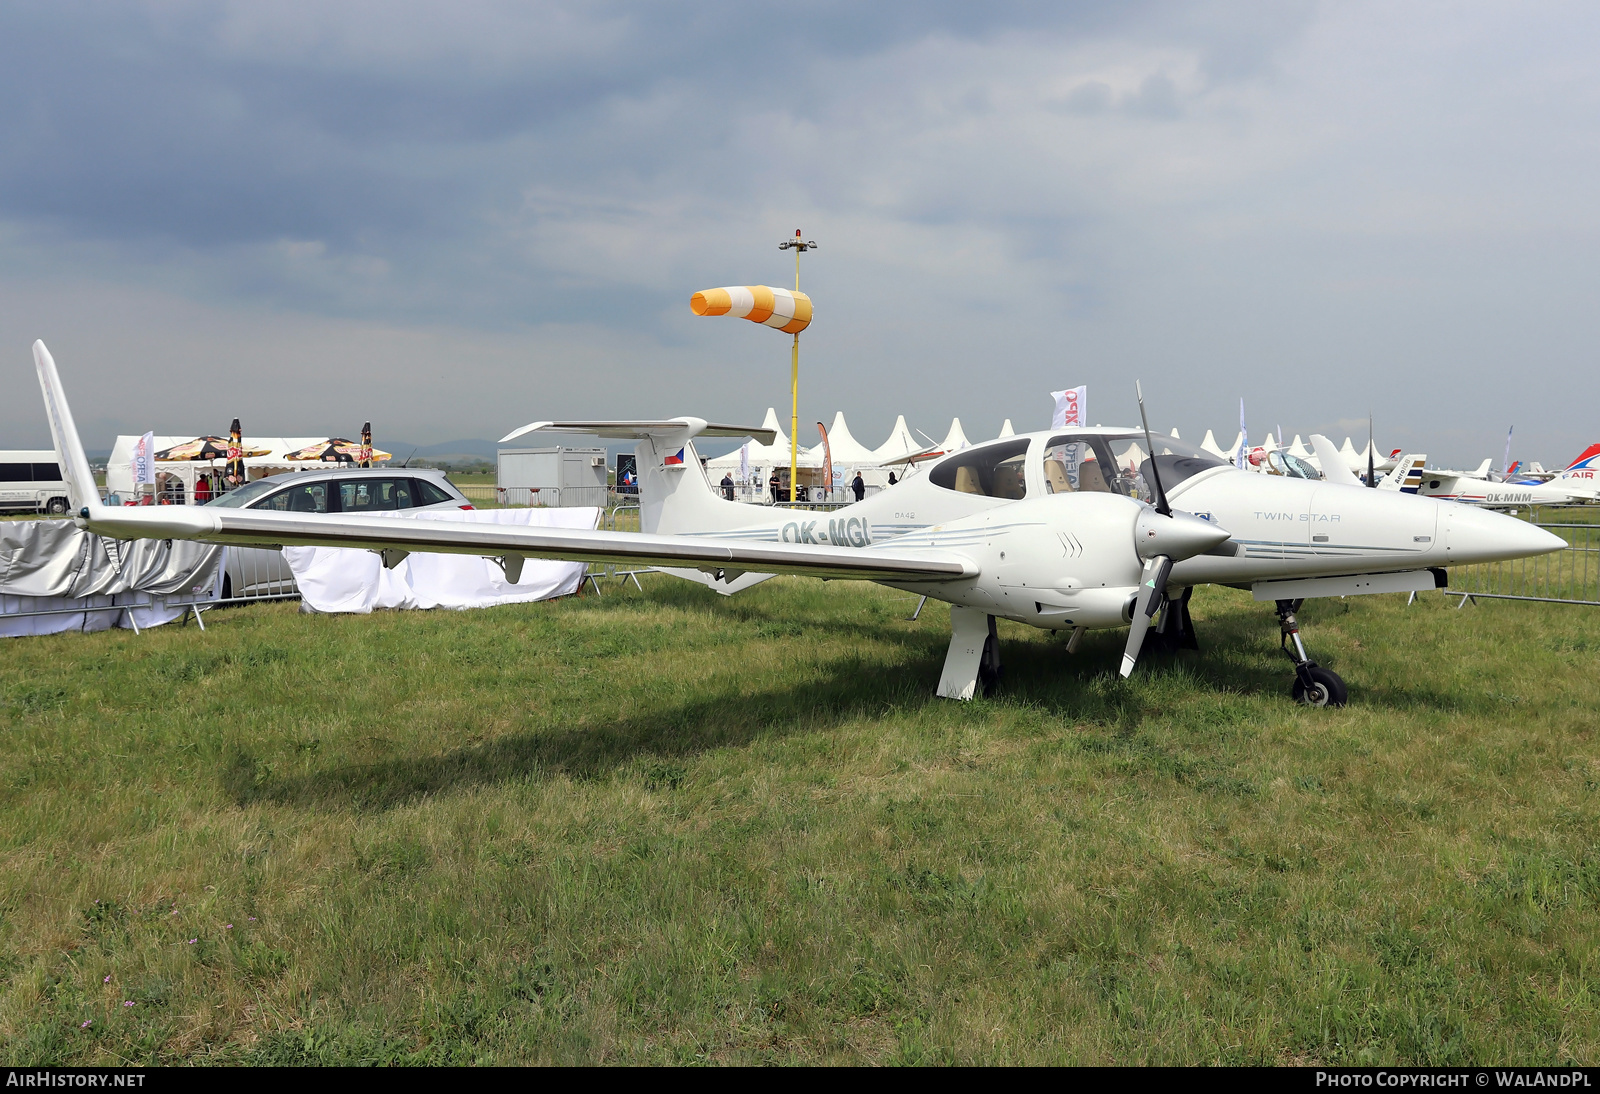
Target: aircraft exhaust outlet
x=1178, y=536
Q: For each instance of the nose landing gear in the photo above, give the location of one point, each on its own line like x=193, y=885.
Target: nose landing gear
x=1314, y=685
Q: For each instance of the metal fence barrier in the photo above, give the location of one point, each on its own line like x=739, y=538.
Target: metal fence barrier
x=1568, y=576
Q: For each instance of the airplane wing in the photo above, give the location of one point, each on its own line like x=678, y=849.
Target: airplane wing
x=725, y=558
x=248, y=527
x=639, y=430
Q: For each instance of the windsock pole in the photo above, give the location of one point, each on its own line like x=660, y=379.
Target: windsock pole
x=794, y=412
x=794, y=392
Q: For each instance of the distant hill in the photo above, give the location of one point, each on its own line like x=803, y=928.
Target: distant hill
x=448, y=452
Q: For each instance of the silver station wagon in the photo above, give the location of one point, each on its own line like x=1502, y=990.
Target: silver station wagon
x=256, y=571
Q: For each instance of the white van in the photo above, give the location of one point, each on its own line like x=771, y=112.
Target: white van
x=31, y=480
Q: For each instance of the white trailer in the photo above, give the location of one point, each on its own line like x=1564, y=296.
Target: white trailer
x=551, y=476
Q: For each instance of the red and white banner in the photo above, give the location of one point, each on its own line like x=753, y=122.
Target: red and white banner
x=1071, y=407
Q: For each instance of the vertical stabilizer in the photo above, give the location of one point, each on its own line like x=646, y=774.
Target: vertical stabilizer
x=1334, y=468
x=81, y=489
x=675, y=497
x=1406, y=475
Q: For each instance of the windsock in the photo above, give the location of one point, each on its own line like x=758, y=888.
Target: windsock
x=785, y=309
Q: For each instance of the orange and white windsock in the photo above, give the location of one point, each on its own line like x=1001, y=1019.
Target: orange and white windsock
x=785, y=309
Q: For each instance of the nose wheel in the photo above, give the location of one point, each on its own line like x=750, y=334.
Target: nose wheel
x=1314, y=686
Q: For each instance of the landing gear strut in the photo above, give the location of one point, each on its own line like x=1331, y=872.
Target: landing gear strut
x=1314, y=685
x=972, y=665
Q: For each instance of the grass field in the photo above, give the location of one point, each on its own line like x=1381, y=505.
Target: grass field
x=669, y=827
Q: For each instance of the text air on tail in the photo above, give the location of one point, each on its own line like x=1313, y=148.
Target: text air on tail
x=81, y=489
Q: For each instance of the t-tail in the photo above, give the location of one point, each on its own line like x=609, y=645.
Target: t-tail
x=81, y=489
x=1406, y=475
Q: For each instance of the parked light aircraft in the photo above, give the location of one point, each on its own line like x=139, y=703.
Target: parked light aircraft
x=1476, y=488
x=1065, y=529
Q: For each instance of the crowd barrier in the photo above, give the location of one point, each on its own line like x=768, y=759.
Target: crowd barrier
x=1568, y=576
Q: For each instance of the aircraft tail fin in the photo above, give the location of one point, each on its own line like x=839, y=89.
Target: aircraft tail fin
x=1334, y=469
x=675, y=497
x=1406, y=477
x=1482, y=471
x=81, y=489
x=1587, y=459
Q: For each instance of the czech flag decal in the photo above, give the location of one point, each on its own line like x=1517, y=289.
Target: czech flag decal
x=674, y=460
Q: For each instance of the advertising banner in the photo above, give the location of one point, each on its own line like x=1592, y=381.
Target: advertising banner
x=627, y=473
x=1071, y=407
x=144, y=465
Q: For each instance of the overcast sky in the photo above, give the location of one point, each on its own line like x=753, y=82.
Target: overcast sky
x=452, y=219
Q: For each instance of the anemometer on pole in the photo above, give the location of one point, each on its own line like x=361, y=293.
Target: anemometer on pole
x=788, y=311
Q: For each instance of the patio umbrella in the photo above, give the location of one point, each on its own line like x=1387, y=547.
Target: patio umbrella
x=203, y=449
x=334, y=450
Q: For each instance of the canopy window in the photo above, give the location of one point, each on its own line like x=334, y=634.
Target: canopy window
x=991, y=470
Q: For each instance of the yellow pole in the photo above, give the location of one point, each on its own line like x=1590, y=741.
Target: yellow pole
x=794, y=393
x=794, y=414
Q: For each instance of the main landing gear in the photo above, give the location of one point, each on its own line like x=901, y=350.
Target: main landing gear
x=972, y=665
x=1174, y=631
x=1314, y=685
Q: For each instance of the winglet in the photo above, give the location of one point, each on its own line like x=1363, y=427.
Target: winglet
x=81, y=489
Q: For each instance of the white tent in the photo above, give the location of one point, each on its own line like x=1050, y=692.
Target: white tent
x=766, y=455
x=1210, y=445
x=900, y=444
x=1298, y=448
x=955, y=439
x=1174, y=434
x=847, y=451
x=119, y=468
x=1006, y=430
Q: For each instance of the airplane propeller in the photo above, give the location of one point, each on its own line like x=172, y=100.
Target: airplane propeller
x=1372, y=479
x=1157, y=566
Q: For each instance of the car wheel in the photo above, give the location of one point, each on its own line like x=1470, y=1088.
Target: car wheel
x=56, y=506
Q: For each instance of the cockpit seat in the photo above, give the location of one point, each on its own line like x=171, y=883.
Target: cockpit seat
x=967, y=481
x=1090, y=478
x=1055, y=475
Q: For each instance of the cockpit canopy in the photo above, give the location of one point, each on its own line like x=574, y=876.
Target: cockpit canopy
x=1071, y=462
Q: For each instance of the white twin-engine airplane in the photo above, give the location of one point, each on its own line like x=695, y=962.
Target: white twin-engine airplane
x=1049, y=529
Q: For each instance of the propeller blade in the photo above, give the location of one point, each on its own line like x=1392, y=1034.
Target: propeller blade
x=1155, y=473
x=1152, y=591
x=1371, y=474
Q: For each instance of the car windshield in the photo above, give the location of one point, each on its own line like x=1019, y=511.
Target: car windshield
x=238, y=499
x=1119, y=463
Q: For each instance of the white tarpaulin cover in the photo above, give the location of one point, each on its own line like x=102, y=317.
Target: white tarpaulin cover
x=342, y=579
x=53, y=565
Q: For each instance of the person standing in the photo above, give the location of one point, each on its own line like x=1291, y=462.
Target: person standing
x=727, y=485
x=773, y=483
x=202, y=490
x=858, y=484
x=892, y=479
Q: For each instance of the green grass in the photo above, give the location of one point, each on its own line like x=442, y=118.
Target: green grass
x=670, y=827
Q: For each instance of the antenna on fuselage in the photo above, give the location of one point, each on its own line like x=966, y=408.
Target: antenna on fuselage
x=1155, y=474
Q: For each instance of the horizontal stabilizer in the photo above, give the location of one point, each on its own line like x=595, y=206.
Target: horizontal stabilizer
x=639, y=430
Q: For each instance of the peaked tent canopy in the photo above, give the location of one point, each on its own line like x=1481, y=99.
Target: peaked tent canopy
x=899, y=445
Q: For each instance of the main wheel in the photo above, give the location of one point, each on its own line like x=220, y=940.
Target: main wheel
x=1326, y=689
x=990, y=670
